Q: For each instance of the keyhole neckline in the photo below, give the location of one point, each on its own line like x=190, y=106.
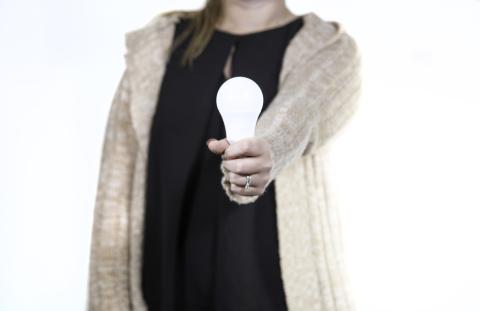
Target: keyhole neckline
x=256, y=33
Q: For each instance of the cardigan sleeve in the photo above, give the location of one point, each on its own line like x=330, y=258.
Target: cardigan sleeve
x=343, y=100
x=313, y=103
x=108, y=279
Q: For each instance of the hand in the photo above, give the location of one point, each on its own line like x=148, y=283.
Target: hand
x=249, y=156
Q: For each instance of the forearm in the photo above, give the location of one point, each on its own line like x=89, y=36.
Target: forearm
x=310, y=107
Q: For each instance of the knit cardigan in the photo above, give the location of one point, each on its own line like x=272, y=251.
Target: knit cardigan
x=319, y=86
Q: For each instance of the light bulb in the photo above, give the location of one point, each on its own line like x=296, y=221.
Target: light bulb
x=239, y=101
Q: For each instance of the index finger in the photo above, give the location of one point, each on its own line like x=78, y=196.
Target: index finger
x=247, y=147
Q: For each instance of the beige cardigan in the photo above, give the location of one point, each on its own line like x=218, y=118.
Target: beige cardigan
x=318, y=91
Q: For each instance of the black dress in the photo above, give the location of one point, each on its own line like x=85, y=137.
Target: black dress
x=202, y=251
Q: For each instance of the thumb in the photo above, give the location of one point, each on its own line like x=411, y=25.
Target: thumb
x=217, y=146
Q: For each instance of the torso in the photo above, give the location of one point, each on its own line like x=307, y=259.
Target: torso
x=199, y=247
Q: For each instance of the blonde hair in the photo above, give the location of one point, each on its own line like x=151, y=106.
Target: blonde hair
x=201, y=27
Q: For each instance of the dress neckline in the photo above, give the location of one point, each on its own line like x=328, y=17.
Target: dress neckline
x=260, y=32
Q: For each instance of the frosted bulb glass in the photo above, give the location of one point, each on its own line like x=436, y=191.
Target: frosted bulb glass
x=239, y=101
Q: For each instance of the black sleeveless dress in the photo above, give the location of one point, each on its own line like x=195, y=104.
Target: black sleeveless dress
x=202, y=251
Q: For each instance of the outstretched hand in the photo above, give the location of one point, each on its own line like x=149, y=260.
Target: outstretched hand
x=249, y=156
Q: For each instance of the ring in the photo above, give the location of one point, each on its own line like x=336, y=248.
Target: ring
x=247, y=184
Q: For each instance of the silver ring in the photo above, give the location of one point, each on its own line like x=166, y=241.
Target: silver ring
x=247, y=184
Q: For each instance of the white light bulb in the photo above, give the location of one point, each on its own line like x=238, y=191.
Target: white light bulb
x=239, y=101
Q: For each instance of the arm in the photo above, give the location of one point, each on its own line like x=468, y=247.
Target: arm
x=108, y=279
x=313, y=103
x=343, y=101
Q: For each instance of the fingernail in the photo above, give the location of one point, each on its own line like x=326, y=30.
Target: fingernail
x=208, y=140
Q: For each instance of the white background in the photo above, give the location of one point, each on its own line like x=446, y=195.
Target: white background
x=406, y=171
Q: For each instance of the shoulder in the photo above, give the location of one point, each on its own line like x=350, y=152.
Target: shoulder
x=158, y=23
x=330, y=38
x=321, y=48
x=344, y=51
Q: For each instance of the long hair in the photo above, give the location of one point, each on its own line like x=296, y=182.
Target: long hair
x=201, y=27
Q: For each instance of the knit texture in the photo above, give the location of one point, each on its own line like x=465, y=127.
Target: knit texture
x=318, y=92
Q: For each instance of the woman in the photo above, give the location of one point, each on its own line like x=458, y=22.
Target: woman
x=176, y=226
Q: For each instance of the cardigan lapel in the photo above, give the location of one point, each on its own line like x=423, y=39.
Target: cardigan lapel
x=146, y=59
